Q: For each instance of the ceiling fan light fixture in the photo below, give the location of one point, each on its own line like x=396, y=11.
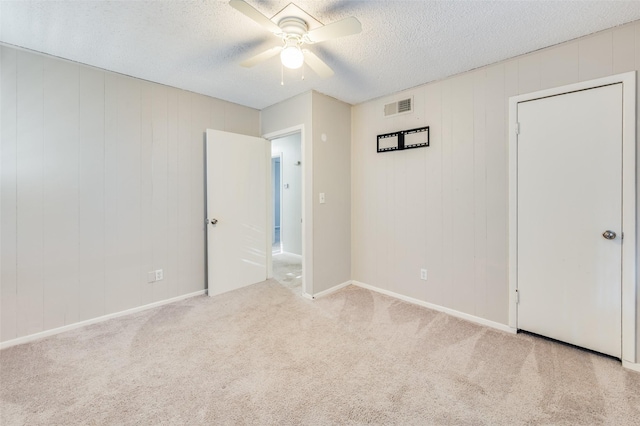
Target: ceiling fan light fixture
x=292, y=57
x=296, y=28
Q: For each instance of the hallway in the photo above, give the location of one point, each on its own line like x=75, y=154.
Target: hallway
x=287, y=270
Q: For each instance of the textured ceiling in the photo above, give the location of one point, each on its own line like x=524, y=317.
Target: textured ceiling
x=197, y=45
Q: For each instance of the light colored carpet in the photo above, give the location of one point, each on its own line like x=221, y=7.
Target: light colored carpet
x=264, y=355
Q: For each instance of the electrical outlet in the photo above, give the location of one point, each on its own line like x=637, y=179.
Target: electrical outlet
x=151, y=276
x=423, y=274
x=159, y=275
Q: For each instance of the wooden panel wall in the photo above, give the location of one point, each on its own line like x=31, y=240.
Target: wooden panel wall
x=102, y=180
x=30, y=194
x=445, y=207
x=8, y=191
x=91, y=192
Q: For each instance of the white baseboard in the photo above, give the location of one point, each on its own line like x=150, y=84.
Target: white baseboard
x=54, y=331
x=331, y=290
x=631, y=365
x=452, y=312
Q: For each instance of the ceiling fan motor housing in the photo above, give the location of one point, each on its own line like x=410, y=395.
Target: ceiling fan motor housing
x=293, y=26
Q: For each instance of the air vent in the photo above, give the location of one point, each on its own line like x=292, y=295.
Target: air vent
x=403, y=106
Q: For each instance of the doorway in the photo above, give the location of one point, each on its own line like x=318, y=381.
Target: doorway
x=239, y=236
x=572, y=200
x=276, y=185
x=287, y=173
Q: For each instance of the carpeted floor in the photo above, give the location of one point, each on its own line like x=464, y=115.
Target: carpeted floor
x=264, y=355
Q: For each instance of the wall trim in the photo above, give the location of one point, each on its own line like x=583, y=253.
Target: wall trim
x=631, y=366
x=307, y=296
x=271, y=218
x=629, y=248
x=58, y=330
x=331, y=290
x=449, y=311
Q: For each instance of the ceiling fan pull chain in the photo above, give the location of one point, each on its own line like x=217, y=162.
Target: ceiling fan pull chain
x=303, y=71
x=281, y=75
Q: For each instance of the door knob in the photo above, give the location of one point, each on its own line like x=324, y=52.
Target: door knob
x=214, y=221
x=609, y=235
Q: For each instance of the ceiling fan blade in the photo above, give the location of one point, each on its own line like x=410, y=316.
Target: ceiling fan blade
x=261, y=57
x=317, y=64
x=251, y=12
x=342, y=28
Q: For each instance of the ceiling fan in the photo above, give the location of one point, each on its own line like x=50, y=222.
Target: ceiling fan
x=294, y=28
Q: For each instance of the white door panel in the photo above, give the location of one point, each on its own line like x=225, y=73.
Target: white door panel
x=569, y=193
x=237, y=180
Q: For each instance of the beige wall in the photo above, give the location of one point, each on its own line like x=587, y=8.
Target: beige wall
x=102, y=181
x=331, y=176
x=294, y=111
x=445, y=207
x=326, y=163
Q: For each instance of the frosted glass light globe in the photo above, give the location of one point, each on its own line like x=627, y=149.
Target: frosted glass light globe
x=292, y=57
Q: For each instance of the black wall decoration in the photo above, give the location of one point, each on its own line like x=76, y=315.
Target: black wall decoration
x=404, y=139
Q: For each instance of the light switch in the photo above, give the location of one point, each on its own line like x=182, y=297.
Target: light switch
x=322, y=198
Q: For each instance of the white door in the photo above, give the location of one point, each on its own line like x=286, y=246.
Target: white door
x=569, y=194
x=238, y=237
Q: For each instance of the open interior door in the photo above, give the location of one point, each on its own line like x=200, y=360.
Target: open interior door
x=238, y=235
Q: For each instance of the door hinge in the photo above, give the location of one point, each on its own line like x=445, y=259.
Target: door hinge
x=517, y=297
x=517, y=128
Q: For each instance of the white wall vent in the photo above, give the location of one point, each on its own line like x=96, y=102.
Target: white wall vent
x=403, y=106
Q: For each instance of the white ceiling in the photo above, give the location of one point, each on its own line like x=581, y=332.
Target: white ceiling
x=197, y=45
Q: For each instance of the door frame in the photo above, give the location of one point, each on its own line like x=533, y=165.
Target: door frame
x=306, y=152
x=278, y=155
x=629, y=248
